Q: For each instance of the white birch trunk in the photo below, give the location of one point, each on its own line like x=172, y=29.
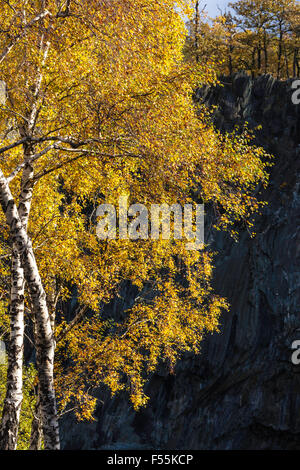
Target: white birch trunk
x=45, y=343
x=14, y=387
x=36, y=435
x=14, y=394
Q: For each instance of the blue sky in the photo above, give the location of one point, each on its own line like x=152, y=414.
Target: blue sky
x=212, y=6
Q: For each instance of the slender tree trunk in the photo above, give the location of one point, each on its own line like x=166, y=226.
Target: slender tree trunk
x=279, y=53
x=23, y=258
x=253, y=62
x=14, y=385
x=287, y=65
x=45, y=343
x=259, y=57
x=14, y=394
x=36, y=436
x=230, y=61
x=197, y=25
x=295, y=62
x=266, y=52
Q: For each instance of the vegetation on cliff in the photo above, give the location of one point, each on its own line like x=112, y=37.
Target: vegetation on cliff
x=98, y=104
x=259, y=36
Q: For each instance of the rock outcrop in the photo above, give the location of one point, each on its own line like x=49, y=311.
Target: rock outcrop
x=243, y=391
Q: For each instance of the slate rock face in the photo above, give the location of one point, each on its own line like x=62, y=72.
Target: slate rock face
x=242, y=392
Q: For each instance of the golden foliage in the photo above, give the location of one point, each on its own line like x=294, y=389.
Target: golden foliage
x=259, y=36
x=116, y=117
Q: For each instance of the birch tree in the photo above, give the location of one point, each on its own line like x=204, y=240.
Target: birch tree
x=99, y=105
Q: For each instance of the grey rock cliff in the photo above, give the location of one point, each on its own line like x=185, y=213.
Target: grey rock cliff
x=242, y=392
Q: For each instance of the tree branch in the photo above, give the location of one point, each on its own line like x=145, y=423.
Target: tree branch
x=19, y=36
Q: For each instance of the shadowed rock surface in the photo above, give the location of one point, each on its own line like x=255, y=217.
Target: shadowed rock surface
x=243, y=392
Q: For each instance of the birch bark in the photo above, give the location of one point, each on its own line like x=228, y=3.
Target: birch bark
x=45, y=343
x=14, y=394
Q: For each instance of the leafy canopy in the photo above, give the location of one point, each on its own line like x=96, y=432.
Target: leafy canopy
x=113, y=114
